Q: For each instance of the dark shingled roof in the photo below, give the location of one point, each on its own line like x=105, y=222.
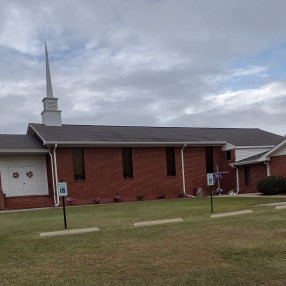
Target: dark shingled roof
x=20, y=142
x=140, y=134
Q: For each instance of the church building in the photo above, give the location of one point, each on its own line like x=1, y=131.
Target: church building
x=101, y=161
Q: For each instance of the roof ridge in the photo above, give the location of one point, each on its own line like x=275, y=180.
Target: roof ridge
x=136, y=126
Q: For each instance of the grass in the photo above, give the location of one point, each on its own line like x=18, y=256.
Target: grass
x=239, y=250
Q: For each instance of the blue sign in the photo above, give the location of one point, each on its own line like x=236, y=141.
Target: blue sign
x=210, y=179
x=62, y=189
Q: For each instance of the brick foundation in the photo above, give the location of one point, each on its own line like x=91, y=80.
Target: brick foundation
x=27, y=202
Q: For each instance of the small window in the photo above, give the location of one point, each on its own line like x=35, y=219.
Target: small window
x=127, y=162
x=209, y=159
x=228, y=155
x=171, y=164
x=78, y=163
x=247, y=175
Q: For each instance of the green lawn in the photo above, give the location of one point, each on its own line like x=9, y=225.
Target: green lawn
x=241, y=250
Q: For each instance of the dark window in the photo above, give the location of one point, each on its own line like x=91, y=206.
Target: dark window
x=78, y=163
x=228, y=155
x=247, y=175
x=127, y=162
x=209, y=159
x=171, y=164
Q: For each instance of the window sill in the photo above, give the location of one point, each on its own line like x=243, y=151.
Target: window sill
x=79, y=181
x=125, y=178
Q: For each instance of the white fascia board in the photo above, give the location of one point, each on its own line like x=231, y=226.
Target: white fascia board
x=275, y=148
x=43, y=140
x=246, y=163
x=139, y=144
x=227, y=147
x=22, y=151
x=254, y=147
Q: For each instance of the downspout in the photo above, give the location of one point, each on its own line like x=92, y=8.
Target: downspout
x=183, y=171
x=267, y=168
x=53, y=177
x=56, y=173
x=237, y=179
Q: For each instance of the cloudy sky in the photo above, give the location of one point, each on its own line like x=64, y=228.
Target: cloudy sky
x=145, y=62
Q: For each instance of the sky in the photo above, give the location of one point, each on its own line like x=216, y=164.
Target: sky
x=145, y=62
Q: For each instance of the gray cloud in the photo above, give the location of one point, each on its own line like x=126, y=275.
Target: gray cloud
x=144, y=62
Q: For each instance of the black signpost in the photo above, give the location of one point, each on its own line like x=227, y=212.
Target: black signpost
x=64, y=210
x=210, y=180
x=211, y=193
x=63, y=192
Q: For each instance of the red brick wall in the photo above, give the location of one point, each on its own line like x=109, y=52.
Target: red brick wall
x=257, y=171
x=104, y=173
x=278, y=166
x=27, y=202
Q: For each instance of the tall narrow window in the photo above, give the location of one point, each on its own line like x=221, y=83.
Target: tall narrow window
x=209, y=159
x=247, y=175
x=78, y=164
x=127, y=162
x=171, y=164
x=228, y=155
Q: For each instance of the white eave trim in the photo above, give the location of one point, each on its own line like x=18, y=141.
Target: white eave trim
x=260, y=160
x=27, y=151
x=30, y=126
x=227, y=147
x=245, y=163
x=254, y=147
x=120, y=144
x=274, y=149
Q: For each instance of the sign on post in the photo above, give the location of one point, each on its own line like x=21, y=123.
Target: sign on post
x=62, y=189
x=210, y=179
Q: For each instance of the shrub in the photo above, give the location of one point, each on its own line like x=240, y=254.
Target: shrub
x=272, y=185
x=162, y=197
x=71, y=201
x=96, y=201
x=117, y=198
x=140, y=198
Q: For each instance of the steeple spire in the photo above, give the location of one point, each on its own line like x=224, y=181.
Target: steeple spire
x=51, y=116
x=48, y=74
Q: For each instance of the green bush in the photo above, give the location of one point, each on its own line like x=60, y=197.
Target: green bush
x=272, y=185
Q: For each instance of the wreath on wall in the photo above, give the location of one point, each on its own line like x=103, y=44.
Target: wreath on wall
x=16, y=175
x=29, y=174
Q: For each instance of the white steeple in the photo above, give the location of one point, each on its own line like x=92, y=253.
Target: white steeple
x=51, y=116
x=48, y=74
